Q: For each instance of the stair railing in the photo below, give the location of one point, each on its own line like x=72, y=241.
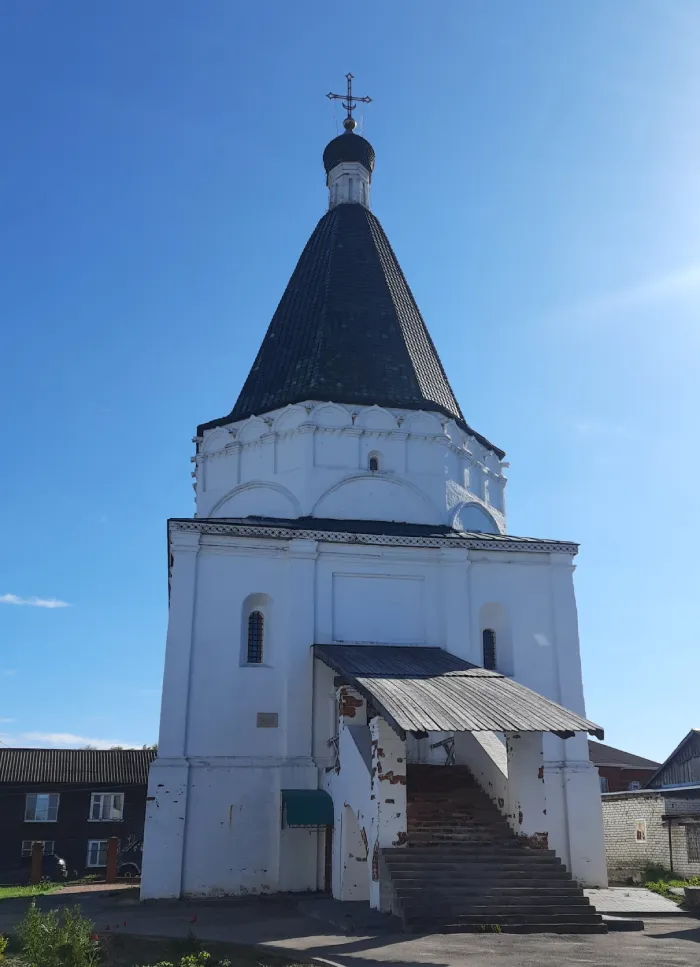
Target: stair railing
x=448, y=745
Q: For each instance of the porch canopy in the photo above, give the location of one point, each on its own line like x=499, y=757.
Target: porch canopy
x=421, y=690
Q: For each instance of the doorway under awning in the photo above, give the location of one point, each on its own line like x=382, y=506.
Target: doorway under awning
x=306, y=809
x=420, y=690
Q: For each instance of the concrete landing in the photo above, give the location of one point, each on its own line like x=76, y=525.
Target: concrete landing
x=631, y=901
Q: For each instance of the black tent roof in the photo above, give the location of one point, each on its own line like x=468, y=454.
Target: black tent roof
x=347, y=329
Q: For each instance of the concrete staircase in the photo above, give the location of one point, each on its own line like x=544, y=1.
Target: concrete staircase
x=465, y=870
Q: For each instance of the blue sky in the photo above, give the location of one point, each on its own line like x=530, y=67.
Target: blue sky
x=538, y=175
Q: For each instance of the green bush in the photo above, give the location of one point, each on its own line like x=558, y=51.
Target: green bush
x=50, y=940
x=200, y=959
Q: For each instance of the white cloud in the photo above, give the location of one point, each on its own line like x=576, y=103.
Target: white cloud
x=33, y=602
x=5, y=721
x=662, y=288
x=64, y=740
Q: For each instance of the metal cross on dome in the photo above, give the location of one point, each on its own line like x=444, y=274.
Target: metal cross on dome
x=347, y=100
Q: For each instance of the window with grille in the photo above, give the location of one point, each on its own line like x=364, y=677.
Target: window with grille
x=692, y=840
x=49, y=846
x=97, y=852
x=107, y=807
x=254, y=654
x=488, y=638
x=41, y=807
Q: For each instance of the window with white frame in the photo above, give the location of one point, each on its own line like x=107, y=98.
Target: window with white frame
x=97, y=852
x=107, y=807
x=48, y=845
x=41, y=807
x=604, y=784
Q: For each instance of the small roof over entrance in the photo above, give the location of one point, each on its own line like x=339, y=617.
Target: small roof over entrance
x=422, y=690
x=306, y=808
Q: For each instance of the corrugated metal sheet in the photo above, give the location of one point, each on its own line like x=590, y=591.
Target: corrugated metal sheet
x=122, y=767
x=430, y=690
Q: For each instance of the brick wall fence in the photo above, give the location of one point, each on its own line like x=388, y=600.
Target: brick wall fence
x=636, y=834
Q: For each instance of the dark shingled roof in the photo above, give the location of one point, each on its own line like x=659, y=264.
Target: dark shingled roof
x=296, y=526
x=605, y=755
x=348, y=329
x=123, y=767
x=348, y=147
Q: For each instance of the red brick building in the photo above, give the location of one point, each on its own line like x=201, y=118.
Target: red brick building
x=620, y=771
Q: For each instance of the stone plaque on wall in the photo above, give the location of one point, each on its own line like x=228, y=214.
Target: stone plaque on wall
x=266, y=720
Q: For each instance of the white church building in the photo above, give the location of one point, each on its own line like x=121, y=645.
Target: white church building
x=370, y=686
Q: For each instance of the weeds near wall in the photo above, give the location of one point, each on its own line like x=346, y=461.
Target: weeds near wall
x=51, y=940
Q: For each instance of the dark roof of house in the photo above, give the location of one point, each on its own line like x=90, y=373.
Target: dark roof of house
x=373, y=531
x=348, y=147
x=687, y=748
x=605, y=755
x=124, y=767
x=348, y=329
x=430, y=690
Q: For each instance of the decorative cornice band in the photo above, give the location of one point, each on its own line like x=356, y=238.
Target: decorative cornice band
x=344, y=537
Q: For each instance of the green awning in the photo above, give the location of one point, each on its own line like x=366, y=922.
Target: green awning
x=306, y=807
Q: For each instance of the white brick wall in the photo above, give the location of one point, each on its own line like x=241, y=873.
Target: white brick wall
x=625, y=856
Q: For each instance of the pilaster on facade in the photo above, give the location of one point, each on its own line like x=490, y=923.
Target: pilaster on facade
x=184, y=548
x=299, y=636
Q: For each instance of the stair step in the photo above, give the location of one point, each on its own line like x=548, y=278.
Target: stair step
x=492, y=885
x=494, y=916
x=509, y=846
x=430, y=926
x=410, y=894
x=421, y=880
x=471, y=906
x=473, y=857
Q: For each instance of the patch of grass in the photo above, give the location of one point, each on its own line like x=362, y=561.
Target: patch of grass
x=11, y=892
x=125, y=950
x=122, y=950
x=660, y=880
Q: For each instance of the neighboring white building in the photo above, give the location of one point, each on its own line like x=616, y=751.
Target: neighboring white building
x=345, y=503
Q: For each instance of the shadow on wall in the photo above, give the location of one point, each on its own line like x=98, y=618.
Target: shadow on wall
x=473, y=517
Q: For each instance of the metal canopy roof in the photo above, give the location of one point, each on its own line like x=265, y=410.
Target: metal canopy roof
x=430, y=690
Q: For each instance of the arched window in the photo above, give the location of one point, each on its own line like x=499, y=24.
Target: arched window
x=254, y=654
x=374, y=463
x=488, y=638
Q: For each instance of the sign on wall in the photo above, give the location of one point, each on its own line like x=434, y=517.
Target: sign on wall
x=641, y=830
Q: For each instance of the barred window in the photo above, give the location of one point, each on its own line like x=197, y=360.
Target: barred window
x=692, y=838
x=254, y=655
x=488, y=638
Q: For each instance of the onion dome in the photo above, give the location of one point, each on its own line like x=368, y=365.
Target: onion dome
x=349, y=147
